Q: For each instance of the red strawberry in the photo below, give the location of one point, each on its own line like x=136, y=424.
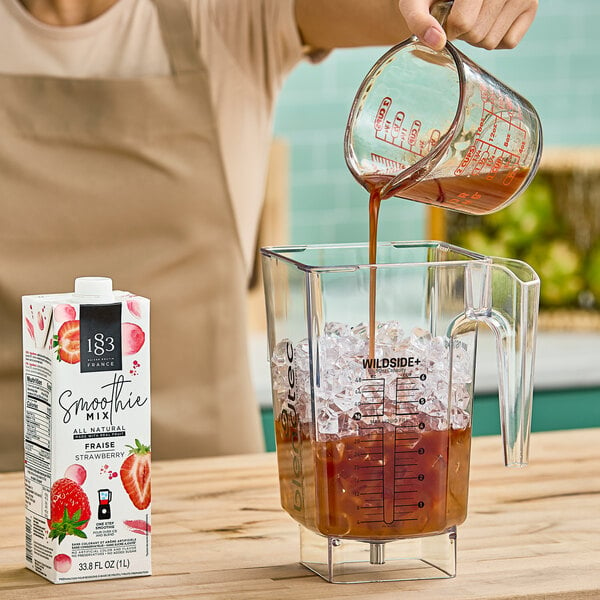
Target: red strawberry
x=67, y=342
x=69, y=510
x=135, y=475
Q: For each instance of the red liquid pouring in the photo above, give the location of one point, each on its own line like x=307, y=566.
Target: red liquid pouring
x=374, y=204
x=473, y=194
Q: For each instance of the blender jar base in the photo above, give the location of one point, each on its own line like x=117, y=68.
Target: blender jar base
x=351, y=561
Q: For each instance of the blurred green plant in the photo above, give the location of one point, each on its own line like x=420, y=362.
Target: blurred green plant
x=530, y=230
x=592, y=271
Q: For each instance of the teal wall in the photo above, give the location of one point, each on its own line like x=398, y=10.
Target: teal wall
x=556, y=66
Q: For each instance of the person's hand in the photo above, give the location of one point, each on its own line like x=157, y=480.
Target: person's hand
x=488, y=24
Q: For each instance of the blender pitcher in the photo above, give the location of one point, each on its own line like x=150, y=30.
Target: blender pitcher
x=373, y=447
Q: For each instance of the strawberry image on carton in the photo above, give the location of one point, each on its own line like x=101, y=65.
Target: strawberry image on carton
x=86, y=376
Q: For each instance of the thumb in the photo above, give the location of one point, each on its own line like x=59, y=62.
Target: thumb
x=420, y=22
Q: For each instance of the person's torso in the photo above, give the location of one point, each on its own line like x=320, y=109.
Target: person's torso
x=124, y=176
x=247, y=47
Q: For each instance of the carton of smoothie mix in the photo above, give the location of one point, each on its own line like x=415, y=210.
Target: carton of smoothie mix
x=86, y=372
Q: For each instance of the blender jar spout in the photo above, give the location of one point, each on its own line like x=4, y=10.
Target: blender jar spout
x=505, y=296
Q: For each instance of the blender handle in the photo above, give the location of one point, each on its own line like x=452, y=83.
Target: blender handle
x=509, y=306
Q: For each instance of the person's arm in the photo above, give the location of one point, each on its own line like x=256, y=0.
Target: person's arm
x=346, y=23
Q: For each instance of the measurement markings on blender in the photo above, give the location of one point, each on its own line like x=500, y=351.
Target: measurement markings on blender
x=406, y=476
x=406, y=386
x=370, y=473
x=387, y=458
x=371, y=442
x=388, y=455
x=407, y=453
x=372, y=397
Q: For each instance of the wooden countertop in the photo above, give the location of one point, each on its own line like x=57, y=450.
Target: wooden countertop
x=219, y=533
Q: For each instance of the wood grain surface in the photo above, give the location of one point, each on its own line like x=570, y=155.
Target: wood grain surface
x=219, y=533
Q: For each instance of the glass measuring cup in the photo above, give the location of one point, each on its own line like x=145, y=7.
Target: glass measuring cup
x=436, y=128
x=373, y=449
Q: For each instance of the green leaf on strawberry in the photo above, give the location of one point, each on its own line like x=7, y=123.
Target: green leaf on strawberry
x=56, y=347
x=68, y=525
x=139, y=448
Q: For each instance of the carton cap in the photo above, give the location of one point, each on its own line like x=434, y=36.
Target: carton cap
x=96, y=289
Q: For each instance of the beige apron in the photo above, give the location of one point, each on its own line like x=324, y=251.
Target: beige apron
x=124, y=178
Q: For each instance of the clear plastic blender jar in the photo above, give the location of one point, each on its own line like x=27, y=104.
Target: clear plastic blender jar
x=373, y=447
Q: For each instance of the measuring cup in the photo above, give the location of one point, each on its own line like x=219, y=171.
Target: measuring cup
x=436, y=128
x=373, y=449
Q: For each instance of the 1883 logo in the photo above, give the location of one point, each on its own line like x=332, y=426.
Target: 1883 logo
x=100, y=337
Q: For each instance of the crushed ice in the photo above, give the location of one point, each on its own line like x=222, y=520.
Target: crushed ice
x=349, y=394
